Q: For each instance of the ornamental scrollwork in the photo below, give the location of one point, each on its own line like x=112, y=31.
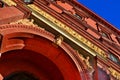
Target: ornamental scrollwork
x=29, y=22
x=87, y=62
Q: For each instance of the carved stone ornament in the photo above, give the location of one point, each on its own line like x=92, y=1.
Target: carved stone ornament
x=29, y=22
x=59, y=40
x=24, y=21
x=87, y=62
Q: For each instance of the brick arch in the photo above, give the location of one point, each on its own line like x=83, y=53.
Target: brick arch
x=23, y=37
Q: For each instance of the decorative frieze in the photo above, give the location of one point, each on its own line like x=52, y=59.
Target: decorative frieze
x=114, y=73
x=29, y=22
x=68, y=29
x=25, y=22
x=10, y=2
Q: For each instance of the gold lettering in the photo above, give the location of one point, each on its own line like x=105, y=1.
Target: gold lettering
x=114, y=73
x=10, y=2
x=69, y=30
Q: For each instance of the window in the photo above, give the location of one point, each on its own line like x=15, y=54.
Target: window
x=104, y=35
x=105, y=32
x=28, y=1
x=114, y=58
x=77, y=16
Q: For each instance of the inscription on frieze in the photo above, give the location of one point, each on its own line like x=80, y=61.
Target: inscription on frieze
x=68, y=30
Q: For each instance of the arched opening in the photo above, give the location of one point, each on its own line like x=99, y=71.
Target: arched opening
x=20, y=76
x=28, y=61
x=32, y=49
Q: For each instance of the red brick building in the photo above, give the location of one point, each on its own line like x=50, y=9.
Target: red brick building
x=56, y=40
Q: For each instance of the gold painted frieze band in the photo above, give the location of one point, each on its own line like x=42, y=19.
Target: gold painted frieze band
x=114, y=73
x=10, y=2
x=68, y=29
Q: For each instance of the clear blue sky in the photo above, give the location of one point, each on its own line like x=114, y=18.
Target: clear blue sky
x=107, y=9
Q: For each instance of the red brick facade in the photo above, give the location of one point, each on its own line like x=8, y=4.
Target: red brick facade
x=57, y=40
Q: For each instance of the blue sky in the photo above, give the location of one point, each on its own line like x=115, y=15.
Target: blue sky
x=107, y=9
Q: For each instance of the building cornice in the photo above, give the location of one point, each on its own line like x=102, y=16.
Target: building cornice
x=95, y=16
